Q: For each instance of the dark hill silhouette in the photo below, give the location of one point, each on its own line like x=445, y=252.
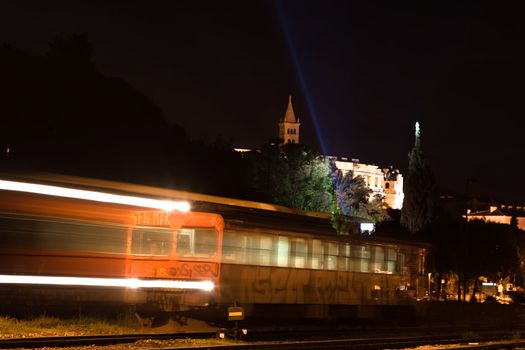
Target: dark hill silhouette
x=59, y=114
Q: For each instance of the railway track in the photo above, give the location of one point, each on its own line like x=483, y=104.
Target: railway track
x=97, y=340
x=496, y=340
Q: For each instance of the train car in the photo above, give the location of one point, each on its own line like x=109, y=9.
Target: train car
x=269, y=259
x=280, y=265
x=60, y=247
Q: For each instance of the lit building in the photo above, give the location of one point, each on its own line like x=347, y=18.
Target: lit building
x=387, y=182
x=393, y=188
x=501, y=214
x=289, y=125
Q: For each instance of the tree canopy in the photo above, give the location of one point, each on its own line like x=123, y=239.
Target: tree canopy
x=293, y=175
x=474, y=251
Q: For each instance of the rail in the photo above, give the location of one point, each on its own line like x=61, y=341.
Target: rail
x=495, y=340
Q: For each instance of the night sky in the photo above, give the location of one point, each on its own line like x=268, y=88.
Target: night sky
x=360, y=74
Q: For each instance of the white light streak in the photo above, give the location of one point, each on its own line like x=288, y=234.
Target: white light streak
x=106, y=282
x=166, y=205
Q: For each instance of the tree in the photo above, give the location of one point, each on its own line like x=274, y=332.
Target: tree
x=352, y=199
x=294, y=176
x=420, y=188
x=483, y=250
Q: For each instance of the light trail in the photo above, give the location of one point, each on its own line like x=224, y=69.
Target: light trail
x=133, y=283
x=166, y=205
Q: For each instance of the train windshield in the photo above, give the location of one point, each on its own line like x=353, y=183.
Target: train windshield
x=197, y=242
x=156, y=241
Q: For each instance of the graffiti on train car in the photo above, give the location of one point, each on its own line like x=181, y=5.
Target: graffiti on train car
x=153, y=218
x=271, y=285
x=193, y=270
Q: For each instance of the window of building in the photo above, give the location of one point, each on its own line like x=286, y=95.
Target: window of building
x=387, y=185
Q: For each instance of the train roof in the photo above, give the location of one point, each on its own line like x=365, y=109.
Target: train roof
x=264, y=221
x=236, y=213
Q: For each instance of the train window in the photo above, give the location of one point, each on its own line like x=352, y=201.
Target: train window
x=300, y=255
x=331, y=256
x=282, y=251
x=21, y=231
x=402, y=263
x=378, y=261
x=234, y=247
x=260, y=250
x=18, y=232
x=391, y=260
x=344, y=256
x=317, y=254
x=156, y=241
x=360, y=258
x=196, y=242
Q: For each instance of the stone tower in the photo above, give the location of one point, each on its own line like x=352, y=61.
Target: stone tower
x=289, y=125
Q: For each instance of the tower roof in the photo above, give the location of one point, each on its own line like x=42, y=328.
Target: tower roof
x=289, y=115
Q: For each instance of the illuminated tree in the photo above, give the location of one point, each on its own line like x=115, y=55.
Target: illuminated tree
x=419, y=202
x=352, y=197
x=294, y=176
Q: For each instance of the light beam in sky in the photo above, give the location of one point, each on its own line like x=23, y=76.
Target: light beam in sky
x=297, y=67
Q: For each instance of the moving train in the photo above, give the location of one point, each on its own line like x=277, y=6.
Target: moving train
x=88, y=241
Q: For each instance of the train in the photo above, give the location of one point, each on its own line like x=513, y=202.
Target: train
x=86, y=241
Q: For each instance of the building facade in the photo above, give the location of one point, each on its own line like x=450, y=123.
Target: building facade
x=386, y=182
x=500, y=214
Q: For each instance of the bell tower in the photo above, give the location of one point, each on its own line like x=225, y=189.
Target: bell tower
x=289, y=125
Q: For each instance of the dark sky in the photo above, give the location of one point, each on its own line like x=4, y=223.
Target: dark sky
x=360, y=73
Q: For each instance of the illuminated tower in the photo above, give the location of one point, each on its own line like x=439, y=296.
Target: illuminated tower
x=289, y=125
